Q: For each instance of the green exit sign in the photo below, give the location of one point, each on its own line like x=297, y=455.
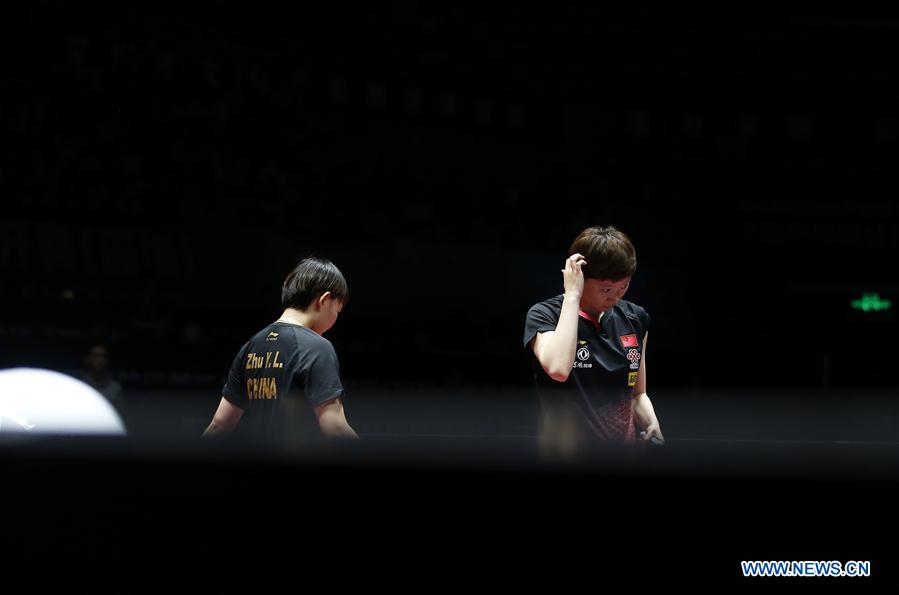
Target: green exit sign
x=871, y=302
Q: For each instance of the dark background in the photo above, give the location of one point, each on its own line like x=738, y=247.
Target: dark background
x=163, y=168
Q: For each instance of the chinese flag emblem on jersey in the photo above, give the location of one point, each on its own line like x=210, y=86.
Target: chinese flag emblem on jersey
x=628, y=340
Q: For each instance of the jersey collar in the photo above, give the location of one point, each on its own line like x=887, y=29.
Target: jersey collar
x=594, y=320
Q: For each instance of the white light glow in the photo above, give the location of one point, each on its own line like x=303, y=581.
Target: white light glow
x=35, y=401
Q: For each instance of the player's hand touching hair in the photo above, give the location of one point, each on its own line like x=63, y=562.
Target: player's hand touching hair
x=573, y=276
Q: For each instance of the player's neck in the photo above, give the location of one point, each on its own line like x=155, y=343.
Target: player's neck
x=294, y=316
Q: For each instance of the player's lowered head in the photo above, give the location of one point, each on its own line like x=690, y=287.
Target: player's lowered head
x=611, y=262
x=313, y=294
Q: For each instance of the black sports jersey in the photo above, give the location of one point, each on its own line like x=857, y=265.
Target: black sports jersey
x=596, y=399
x=278, y=377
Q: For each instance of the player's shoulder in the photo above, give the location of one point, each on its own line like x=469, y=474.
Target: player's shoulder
x=311, y=343
x=553, y=304
x=290, y=339
x=633, y=311
x=630, y=308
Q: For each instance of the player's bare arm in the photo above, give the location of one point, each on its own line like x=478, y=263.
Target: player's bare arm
x=332, y=420
x=555, y=349
x=644, y=413
x=225, y=419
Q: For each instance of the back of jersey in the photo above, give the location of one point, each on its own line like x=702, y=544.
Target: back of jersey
x=278, y=378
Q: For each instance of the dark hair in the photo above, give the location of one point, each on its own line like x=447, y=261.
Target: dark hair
x=608, y=251
x=309, y=280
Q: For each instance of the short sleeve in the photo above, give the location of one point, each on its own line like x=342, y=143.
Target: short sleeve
x=639, y=316
x=320, y=377
x=645, y=320
x=540, y=319
x=233, y=391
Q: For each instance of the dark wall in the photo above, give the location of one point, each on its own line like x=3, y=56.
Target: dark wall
x=164, y=168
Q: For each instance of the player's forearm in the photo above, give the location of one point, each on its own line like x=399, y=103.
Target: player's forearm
x=348, y=432
x=558, y=354
x=339, y=430
x=644, y=413
x=225, y=418
x=215, y=429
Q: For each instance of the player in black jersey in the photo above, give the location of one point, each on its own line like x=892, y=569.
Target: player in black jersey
x=287, y=377
x=588, y=349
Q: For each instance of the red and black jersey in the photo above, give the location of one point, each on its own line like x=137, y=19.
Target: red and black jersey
x=596, y=399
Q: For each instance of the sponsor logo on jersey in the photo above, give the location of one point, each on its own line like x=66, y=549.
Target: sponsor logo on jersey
x=632, y=378
x=634, y=357
x=272, y=337
x=583, y=354
x=628, y=341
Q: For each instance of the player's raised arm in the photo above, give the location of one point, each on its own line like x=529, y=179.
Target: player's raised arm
x=555, y=349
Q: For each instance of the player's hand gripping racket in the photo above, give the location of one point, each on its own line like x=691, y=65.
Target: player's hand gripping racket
x=654, y=441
